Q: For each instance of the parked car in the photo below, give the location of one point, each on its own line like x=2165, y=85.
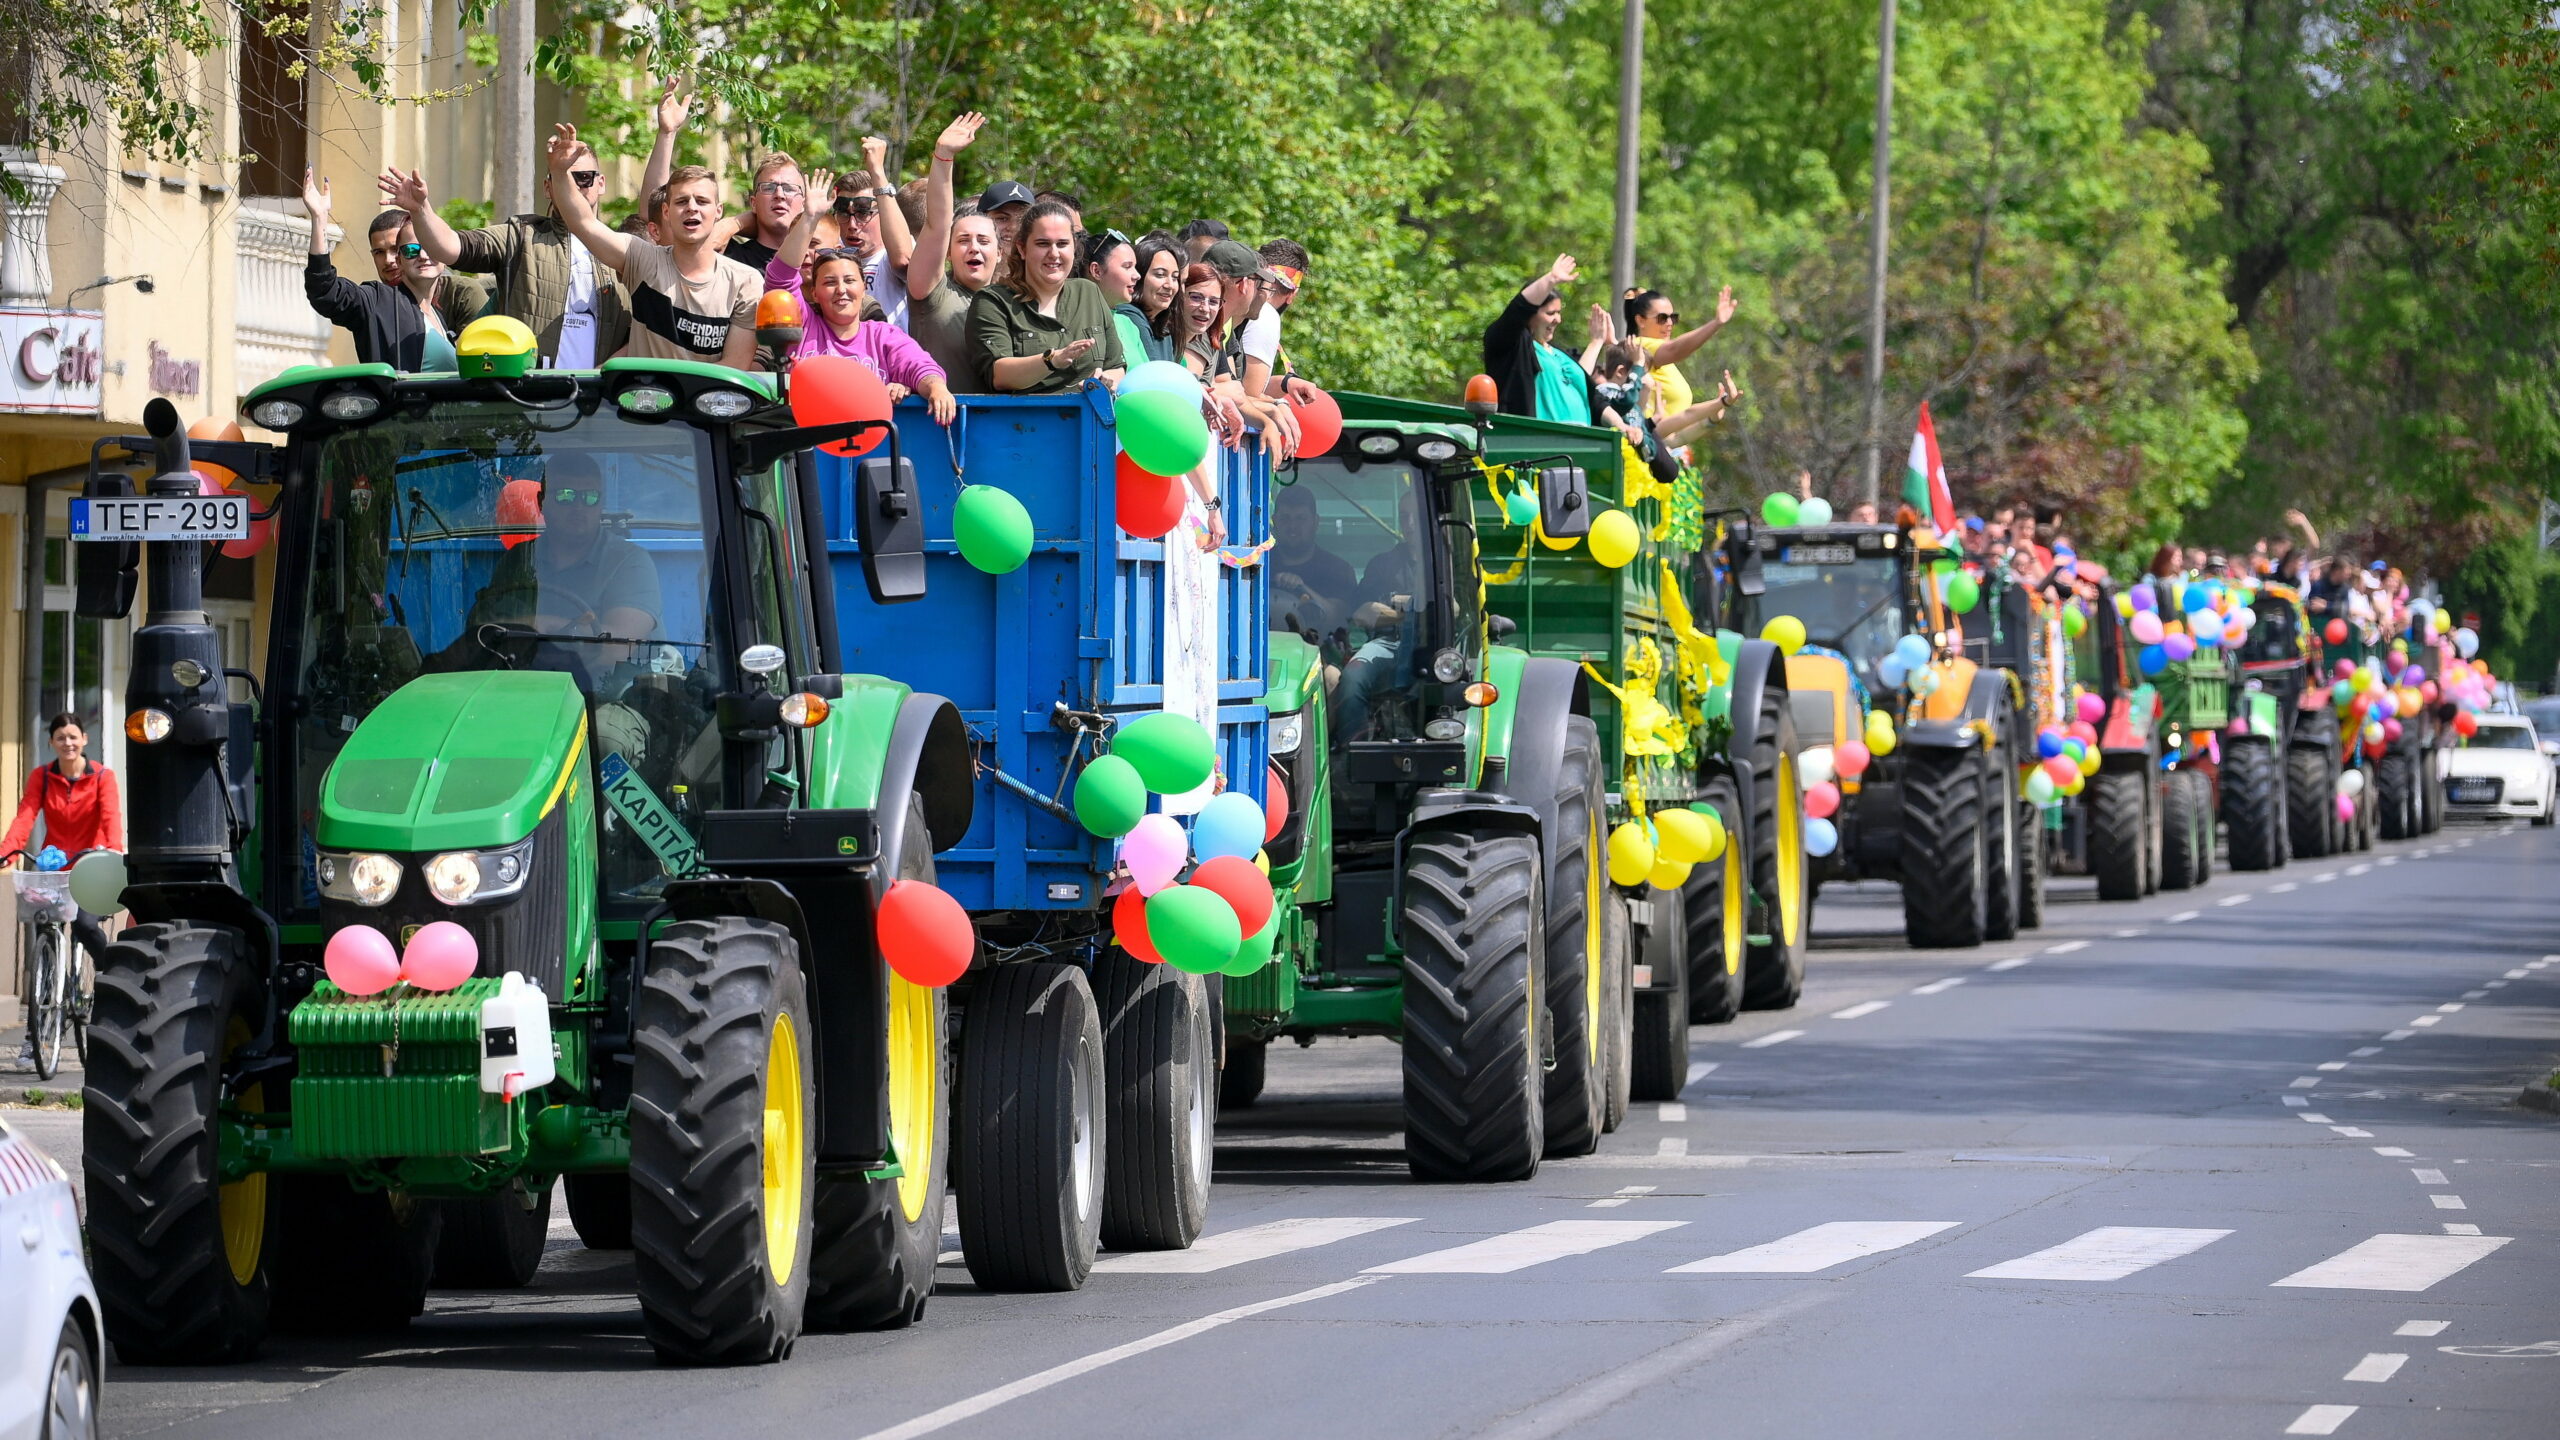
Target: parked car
x=2504, y=769
x=51, y=1345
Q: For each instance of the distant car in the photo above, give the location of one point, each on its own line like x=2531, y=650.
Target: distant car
x=2544, y=712
x=2505, y=768
x=51, y=1346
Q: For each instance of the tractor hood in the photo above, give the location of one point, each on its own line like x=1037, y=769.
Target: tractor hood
x=455, y=762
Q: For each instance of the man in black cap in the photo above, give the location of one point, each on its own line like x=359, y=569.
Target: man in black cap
x=1004, y=202
x=1242, y=278
x=1199, y=235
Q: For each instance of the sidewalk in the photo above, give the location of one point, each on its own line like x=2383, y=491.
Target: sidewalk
x=17, y=1076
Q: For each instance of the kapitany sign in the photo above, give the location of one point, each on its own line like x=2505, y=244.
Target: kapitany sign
x=52, y=362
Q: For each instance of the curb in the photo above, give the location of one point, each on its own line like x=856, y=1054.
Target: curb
x=2540, y=1096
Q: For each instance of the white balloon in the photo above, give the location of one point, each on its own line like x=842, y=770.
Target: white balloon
x=2351, y=783
x=1816, y=511
x=97, y=882
x=2466, y=642
x=1814, y=765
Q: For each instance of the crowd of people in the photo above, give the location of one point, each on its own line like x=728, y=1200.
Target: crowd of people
x=1631, y=384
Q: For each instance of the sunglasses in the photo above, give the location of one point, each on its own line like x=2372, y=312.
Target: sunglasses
x=777, y=187
x=571, y=495
x=412, y=250
x=1116, y=238
x=1673, y=316
x=587, y=179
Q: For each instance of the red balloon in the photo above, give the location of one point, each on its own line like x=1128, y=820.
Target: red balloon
x=2335, y=632
x=1234, y=879
x=832, y=389
x=2082, y=731
x=924, y=934
x=1148, y=505
x=2464, y=725
x=1821, y=799
x=519, y=512
x=1275, y=806
x=1319, y=423
x=1129, y=926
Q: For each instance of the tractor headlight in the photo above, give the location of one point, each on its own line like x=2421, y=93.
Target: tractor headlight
x=1445, y=728
x=361, y=879
x=1287, y=732
x=723, y=404
x=454, y=877
x=1435, y=451
x=473, y=877
x=278, y=414
x=351, y=405
x=1448, y=667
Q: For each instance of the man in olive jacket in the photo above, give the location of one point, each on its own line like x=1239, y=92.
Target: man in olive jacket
x=575, y=308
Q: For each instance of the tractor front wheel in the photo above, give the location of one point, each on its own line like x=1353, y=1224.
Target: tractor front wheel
x=1773, y=968
x=2178, y=819
x=1716, y=903
x=1946, y=898
x=2253, y=803
x=2005, y=865
x=1473, y=926
x=2311, y=806
x=2119, y=833
x=1580, y=951
x=493, y=1242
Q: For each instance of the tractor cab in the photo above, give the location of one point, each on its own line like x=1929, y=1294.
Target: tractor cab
x=1853, y=587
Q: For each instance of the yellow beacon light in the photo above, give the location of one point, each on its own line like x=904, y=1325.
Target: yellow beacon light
x=494, y=347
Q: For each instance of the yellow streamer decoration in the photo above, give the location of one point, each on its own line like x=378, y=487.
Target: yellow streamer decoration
x=1646, y=727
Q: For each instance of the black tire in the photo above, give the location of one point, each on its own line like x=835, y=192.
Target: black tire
x=1473, y=927
x=70, y=1400
x=2003, y=865
x=492, y=1242
x=1716, y=934
x=49, y=999
x=2252, y=803
x=1659, y=1058
x=1781, y=879
x=1945, y=885
x=2206, y=835
x=2178, y=819
x=1240, y=1079
x=172, y=1000
x=2431, y=787
x=1618, y=1007
x=1030, y=1129
x=599, y=1209
x=2033, y=863
x=1579, y=952
x=2117, y=833
x=722, y=1006
x=1159, y=1068
x=2155, y=792
x=2311, y=815
x=349, y=1261
x=2395, y=787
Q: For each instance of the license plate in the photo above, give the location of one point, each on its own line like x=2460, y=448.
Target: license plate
x=1819, y=555
x=2472, y=790
x=160, y=517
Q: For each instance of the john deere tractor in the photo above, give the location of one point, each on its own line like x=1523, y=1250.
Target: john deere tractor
x=547, y=854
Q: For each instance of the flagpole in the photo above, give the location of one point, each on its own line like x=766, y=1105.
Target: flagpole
x=1877, y=240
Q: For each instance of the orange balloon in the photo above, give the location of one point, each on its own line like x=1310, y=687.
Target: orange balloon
x=924, y=934
x=519, y=512
x=1129, y=926
x=832, y=389
x=1148, y=505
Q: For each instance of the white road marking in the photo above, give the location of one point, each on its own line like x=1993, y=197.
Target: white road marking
x=2489, y=985
x=2399, y=1034
x=2012, y=963
x=1625, y=1194
x=2456, y=1227
x=2448, y=1202
x=1698, y=1070
x=2069, y=947
x=1673, y=1112
x=2388, y=860
x=1819, y=1248
x=1672, y=1145
x=2129, y=934
x=1503, y=1254
x=2518, y=973
x=2183, y=916
x=2305, y=1082
x=2296, y=1099
x=2406, y=1263
x=2428, y=1177
x=2243, y=898
x=2283, y=888
x=2332, y=1065
x=1938, y=987
x=2425, y=1020
x=2367, y=1050
x=1855, y=1012
x=2314, y=1118
x=2475, y=994
x=2320, y=1420
x=2352, y=1133
x=2422, y=1327
x=1611, y=1203
x=2110, y=1252
x=2324, y=877
x=2359, y=869
x=2374, y=1369
x=979, y=1404
x=1774, y=1037
x=1253, y=1242
x=2390, y=1152
x=2449, y=1007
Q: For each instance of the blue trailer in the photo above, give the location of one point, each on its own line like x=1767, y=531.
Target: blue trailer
x=1085, y=1092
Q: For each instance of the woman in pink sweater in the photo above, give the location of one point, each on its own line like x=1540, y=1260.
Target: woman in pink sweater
x=835, y=323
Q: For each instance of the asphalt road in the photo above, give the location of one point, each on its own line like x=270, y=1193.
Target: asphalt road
x=2239, y=1162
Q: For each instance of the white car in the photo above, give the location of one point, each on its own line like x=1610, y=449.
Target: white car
x=2504, y=769
x=51, y=1345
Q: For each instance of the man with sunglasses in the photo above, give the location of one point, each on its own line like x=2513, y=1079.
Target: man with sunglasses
x=574, y=577
x=407, y=322
x=870, y=222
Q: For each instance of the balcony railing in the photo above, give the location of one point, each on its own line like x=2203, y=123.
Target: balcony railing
x=274, y=324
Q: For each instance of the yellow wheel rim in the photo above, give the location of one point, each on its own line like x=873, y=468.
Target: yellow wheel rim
x=1595, y=884
x=1790, y=852
x=915, y=1074
x=1737, y=908
x=242, y=1204
x=785, y=1146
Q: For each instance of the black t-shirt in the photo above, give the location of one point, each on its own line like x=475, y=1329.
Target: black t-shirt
x=747, y=250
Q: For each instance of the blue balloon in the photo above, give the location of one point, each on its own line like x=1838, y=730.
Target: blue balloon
x=1821, y=837
x=2197, y=598
x=2154, y=659
x=1913, y=650
x=2048, y=744
x=1230, y=824
x=1170, y=376
x=1892, y=671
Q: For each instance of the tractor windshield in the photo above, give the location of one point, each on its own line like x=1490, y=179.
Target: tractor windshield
x=486, y=536
x=1848, y=602
x=1351, y=564
x=2275, y=637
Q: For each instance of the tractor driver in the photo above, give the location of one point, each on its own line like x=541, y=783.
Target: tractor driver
x=573, y=577
x=1310, y=585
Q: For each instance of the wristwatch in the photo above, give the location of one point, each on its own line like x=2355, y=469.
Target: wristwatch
x=887, y=192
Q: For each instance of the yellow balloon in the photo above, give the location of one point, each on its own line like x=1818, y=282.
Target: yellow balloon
x=1880, y=736
x=1684, y=837
x=1631, y=855
x=1715, y=837
x=1614, y=538
x=1669, y=875
x=2078, y=784
x=2124, y=605
x=1262, y=861
x=1784, y=631
x=2089, y=761
x=2440, y=620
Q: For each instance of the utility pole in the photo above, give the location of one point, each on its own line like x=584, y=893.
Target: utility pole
x=1877, y=243
x=514, y=182
x=1622, y=255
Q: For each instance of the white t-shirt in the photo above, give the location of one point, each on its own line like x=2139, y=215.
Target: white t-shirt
x=578, y=320
x=887, y=283
x=1260, y=337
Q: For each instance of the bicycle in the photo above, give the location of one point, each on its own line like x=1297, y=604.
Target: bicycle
x=52, y=969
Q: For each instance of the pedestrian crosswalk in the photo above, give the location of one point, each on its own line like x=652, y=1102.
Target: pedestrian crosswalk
x=2098, y=1256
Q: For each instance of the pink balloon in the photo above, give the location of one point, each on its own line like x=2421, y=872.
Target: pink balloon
x=2390, y=732
x=1852, y=759
x=2146, y=627
x=2062, y=771
x=2346, y=809
x=1821, y=799
x=2092, y=709
x=1154, y=852
x=360, y=961
x=440, y=956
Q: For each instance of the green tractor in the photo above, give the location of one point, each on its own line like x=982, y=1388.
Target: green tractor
x=2195, y=704
x=548, y=857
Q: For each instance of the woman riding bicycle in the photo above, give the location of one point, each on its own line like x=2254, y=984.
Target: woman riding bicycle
x=82, y=811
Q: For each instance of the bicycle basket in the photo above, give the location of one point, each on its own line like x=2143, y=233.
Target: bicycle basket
x=44, y=894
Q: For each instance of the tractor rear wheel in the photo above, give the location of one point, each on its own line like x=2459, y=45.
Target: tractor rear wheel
x=2395, y=785
x=2033, y=861
x=1159, y=1071
x=2205, y=829
x=1715, y=904
x=1660, y=1062
x=723, y=1151
x=493, y=1242
x=180, y=1259
x=1240, y=1079
x=1473, y=926
x=1579, y=949
x=2252, y=803
x=1945, y=885
x=1033, y=1129
x=2118, y=833
x=2005, y=867
x=1773, y=968
x=2178, y=833
x=2311, y=809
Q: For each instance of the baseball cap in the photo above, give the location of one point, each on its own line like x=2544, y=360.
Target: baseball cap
x=1003, y=193
x=1237, y=261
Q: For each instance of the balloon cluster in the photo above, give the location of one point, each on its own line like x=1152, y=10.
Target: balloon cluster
x=361, y=961
x=1908, y=663
x=1223, y=917
x=1782, y=509
x=1661, y=848
x=2176, y=620
x=2066, y=756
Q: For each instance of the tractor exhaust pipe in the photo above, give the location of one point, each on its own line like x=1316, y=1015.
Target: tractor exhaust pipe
x=182, y=827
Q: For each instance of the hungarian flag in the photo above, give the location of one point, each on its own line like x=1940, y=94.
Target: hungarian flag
x=1924, y=485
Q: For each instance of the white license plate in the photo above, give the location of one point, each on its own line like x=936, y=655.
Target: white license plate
x=160, y=517
x=2471, y=790
x=1819, y=555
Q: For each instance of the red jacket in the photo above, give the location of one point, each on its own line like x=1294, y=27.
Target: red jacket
x=82, y=814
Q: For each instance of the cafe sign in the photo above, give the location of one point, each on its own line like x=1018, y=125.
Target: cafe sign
x=51, y=361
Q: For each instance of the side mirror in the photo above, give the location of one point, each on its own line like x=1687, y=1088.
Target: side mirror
x=889, y=519
x=105, y=573
x=1742, y=552
x=1564, y=502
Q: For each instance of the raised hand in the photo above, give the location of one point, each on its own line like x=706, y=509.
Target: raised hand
x=565, y=149
x=957, y=135
x=1726, y=305
x=875, y=154
x=1602, y=330
x=315, y=196
x=1564, y=271
x=407, y=192
x=675, y=105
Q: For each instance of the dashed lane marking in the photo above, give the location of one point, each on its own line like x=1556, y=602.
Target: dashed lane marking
x=2295, y=1099
x=1856, y=1012
x=2427, y=1177
x=2068, y=947
x=2391, y=1152
x=1672, y=1145
x=2320, y=1420
x=1699, y=1070
x=2012, y=963
x=2425, y=1020
x=2305, y=1082
x=1938, y=987
x=2422, y=1327
x=1774, y=1037
x=2285, y=887
x=2399, y=1034
x=2243, y=898
x=1672, y=1112
x=2183, y=916
x=1625, y=1194
x=2448, y=1202
x=2352, y=1132
x=1520, y=1249
x=2374, y=1369
x=2314, y=1118
x=2456, y=1227
x=2332, y=1065
x=2449, y=1007
x=2367, y=1050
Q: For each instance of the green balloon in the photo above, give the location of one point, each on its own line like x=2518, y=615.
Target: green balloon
x=1172, y=752
x=1520, y=507
x=1110, y=798
x=1163, y=432
x=993, y=529
x=2074, y=621
x=1781, y=509
x=1255, y=952
x=1729, y=645
x=1193, y=929
x=1963, y=592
